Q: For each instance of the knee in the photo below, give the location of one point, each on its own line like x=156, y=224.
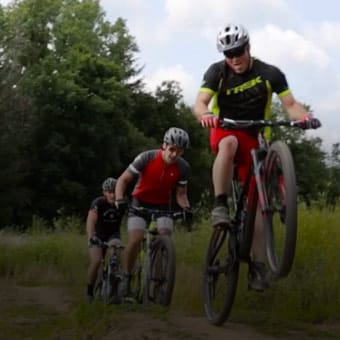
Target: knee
x=134, y=241
x=228, y=147
x=165, y=231
x=95, y=262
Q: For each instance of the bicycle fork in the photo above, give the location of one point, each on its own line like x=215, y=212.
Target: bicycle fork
x=258, y=157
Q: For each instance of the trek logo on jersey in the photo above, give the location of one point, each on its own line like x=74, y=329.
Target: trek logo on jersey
x=245, y=86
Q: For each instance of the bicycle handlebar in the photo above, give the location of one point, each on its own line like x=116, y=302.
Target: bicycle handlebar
x=244, y=124
x=105, y=244
x=154, y=213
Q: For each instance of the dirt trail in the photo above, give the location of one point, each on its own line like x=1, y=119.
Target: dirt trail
x=17, y=321
x=183, y=328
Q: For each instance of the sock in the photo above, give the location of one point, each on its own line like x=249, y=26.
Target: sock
x=220, y=200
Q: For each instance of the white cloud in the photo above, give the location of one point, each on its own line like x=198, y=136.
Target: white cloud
x=201, y=16
x=177, y=42
x=5, y=2
x=326, y=34
x=288, y=48
x=130, y=4
x=176, y=72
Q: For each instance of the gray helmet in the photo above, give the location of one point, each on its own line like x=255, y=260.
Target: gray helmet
x=109, y=184
x=176, y=136
x=231, y=36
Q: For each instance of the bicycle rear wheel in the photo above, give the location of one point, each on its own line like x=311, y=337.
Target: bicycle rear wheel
x=281, y=218
x=220, y=276
x=107, y=290
x=161, y=271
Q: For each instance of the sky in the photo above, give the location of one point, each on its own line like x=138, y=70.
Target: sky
x=177, y=41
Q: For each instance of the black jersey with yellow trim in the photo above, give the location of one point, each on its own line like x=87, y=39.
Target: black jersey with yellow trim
x=109, y=218
x=247, y=95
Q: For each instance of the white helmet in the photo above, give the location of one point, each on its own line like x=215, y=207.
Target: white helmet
x=176, y=136
x=231, y=36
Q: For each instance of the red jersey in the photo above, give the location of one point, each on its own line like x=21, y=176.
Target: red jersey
x=156, y=178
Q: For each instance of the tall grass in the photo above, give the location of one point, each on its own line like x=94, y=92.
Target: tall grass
x=43, y=255
x=310, y=293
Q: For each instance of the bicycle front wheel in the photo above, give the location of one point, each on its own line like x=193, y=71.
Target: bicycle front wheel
x=137, y=279
x=281, y=218
x=161, y=272
x=107, y=289
x=98, y=290
x=220, y=276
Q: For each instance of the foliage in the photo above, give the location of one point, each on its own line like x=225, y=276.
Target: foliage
x=74, y=110
x=84, y=115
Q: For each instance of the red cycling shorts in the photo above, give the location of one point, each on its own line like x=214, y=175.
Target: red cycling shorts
x=246, y=142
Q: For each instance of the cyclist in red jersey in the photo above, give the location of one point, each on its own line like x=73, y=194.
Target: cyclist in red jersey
x=240, y=87
x=159, y=172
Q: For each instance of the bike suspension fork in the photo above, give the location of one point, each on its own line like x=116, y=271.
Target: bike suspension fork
x=258, y=159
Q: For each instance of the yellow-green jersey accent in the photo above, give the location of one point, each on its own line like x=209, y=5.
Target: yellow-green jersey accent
x=243, y=96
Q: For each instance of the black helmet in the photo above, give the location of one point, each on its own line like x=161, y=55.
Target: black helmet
x=109, y=184
x=178, y=137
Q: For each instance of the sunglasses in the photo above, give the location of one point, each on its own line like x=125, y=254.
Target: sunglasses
x=174, y=149
x=235, y=52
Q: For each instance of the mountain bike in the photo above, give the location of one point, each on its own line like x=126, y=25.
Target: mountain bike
x=271, y=185
x=154, y=273
x=110, y=274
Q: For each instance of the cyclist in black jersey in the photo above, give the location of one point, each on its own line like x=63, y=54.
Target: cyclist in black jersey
x=240, y=87
x=102, y=225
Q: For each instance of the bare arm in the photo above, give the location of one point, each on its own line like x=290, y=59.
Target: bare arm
x=295, y=110
x=201, y=105
x=182, y=197
x=91, y=221
x=124, y=179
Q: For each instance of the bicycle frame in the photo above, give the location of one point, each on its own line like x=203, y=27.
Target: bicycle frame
x=270, y=164
x=110, y=273
x=258, y=157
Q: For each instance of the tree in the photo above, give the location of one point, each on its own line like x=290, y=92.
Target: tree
x=332, y=189
x=74, y=69
x=309, y=158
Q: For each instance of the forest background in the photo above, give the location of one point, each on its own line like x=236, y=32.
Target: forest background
x=74, y=110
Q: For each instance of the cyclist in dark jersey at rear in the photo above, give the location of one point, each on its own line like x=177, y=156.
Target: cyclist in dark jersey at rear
x=240, y=87
x=159, y=172
x=102, y=225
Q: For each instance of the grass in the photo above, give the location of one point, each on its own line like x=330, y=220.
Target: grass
x=309, y=295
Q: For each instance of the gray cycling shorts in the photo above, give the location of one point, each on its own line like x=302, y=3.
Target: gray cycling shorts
x=139, y=223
